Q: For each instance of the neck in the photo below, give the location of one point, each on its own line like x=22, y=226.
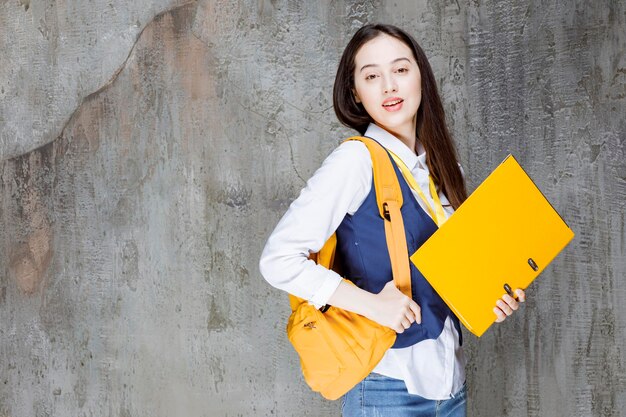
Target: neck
x=406, y=134
x=406, y=139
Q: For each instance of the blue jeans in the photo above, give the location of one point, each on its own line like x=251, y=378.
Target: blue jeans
x=380, y=396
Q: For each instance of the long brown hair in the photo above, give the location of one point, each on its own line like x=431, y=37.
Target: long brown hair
x=431, y=129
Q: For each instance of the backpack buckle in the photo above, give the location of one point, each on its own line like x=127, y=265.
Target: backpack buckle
x=386, y=212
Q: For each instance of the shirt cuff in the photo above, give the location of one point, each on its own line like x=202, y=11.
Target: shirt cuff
x=323, y=293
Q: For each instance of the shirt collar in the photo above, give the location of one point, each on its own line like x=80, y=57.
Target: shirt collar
x=398, y=147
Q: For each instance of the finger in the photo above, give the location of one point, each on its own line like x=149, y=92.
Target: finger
x=504, y=307
x=406, y=323
x=510, y=301
x=408, y=313
x=417, y=311
x=521, y=295
x=410, y=316
x=500, y=315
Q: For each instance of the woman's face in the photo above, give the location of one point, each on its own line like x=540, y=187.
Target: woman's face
x=385, y=73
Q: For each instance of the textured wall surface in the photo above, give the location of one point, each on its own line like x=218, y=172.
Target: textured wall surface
x=147, y=150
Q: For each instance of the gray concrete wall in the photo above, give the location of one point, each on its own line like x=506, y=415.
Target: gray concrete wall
x=147, y=150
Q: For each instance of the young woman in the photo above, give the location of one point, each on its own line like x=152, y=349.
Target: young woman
x=385, y=90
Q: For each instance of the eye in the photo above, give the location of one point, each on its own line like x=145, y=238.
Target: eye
x=369, y=77
x=403, y=70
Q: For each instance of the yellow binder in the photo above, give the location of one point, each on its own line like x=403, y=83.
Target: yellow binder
x=506, y=232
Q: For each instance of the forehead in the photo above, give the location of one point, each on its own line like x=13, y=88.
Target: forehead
x=381, y=51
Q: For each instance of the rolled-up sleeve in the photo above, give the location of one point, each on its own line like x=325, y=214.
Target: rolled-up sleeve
x=338, y=187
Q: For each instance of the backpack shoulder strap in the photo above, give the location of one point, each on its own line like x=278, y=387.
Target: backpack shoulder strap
x=389, y=201
x=385, y=178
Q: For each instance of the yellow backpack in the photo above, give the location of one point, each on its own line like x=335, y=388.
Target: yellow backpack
x=339, y=348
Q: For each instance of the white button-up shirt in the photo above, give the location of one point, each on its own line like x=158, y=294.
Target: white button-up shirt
x=433, y=369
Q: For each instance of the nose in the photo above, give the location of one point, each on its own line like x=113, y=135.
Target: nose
x=390, y=85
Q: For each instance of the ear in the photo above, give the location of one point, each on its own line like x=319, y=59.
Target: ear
x=356, y=96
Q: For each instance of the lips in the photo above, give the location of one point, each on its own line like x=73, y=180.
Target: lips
x=392, y=101
x=393, y=104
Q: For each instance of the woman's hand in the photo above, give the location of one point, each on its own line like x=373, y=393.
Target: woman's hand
x=391, y=308
x=507, y=304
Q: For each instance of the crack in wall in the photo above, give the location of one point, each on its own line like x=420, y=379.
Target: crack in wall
x=107, y=84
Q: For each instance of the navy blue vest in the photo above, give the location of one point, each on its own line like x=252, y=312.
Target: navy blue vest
x=362, y=249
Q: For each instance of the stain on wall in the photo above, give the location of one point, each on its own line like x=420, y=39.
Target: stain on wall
x=148, y=150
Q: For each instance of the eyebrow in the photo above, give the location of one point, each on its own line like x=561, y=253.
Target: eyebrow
x=392, y=62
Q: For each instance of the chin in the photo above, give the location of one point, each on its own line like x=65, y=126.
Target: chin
x=394, y=123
